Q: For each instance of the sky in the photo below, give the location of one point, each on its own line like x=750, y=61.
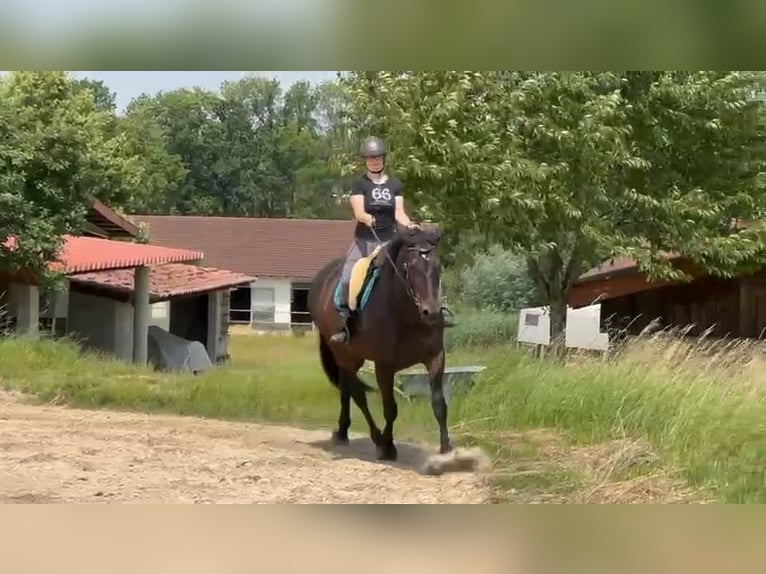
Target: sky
x=129, y=84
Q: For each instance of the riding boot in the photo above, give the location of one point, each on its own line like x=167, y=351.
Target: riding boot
x=342, y=335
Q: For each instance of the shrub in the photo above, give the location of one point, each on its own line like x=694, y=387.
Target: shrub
x=498, y=280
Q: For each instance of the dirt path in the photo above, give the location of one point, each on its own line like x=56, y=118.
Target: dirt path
x=56, y=454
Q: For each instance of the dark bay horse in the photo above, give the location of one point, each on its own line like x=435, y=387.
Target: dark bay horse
x=401, y=325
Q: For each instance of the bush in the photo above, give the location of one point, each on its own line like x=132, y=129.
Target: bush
x=498, y=280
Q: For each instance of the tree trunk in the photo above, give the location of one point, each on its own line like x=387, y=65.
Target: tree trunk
x=558, y=315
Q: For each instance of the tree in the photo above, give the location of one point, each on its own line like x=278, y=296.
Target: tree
x=47, y=130
x=187, y=122
x=105, y=100
x=575, y=167
x=251, y=149
x=150, y=175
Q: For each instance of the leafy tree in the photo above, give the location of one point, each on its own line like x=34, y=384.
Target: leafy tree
x=105, y=100
x=47, y=130
x=189, y=126
x=150, y=175
x=574, y=167
x=251, y=149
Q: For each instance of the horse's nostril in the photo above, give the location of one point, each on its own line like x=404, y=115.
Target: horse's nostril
x=425, y=311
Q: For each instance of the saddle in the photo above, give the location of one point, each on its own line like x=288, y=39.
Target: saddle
x=363, y=276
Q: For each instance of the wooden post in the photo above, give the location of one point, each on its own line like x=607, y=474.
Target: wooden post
x=747, y=319
x=141, y=315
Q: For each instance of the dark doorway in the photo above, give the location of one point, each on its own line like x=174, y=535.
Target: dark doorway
x=189, y=318
x=299, y=308
x=240, y=305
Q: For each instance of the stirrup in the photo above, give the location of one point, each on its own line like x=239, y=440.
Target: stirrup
x=341, y=336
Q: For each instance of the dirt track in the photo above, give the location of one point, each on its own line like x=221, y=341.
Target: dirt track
x=52, y=454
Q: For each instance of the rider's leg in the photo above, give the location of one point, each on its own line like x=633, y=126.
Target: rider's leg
x=353, y=255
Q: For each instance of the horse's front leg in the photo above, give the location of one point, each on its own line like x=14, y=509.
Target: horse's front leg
x=340, y=436
x=435, y=368
x=385, y=376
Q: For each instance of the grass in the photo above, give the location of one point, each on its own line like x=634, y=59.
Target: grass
x=481, y=328
x=663, y=420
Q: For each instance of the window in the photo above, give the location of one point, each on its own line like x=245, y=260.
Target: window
x=263, y=305
x=532, y=319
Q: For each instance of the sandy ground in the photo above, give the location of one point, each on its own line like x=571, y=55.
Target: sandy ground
x=53, y=454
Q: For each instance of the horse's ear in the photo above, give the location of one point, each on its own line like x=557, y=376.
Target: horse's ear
x=434, y=233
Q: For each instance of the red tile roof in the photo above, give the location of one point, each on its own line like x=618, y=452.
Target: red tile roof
x=293, y=249
x=80, y=254
x=165, y=281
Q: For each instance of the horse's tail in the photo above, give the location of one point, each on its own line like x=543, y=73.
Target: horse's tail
x=329, y=364
x=332, y=370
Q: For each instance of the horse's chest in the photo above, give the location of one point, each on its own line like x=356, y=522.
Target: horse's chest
x=401, y=349
x=412, y=348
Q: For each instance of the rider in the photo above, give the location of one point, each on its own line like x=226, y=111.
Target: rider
x=378, y=205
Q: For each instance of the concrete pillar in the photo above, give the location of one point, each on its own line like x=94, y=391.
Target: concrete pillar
x=26, y=303
x=142, y=312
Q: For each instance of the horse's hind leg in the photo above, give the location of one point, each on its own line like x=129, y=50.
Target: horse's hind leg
x=357, y=390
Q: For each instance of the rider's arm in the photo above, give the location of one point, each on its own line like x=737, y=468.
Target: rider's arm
x=357, y=204
x=401, y=215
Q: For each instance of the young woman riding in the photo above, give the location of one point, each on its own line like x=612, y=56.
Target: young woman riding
x=378, y=205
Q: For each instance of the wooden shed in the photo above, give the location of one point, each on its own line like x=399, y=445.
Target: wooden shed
x=629, y=301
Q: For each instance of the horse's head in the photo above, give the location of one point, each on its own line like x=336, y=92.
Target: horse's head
x=417, y=260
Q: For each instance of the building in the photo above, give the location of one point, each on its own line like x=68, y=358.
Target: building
x=629, y=301
x=283, y=254
x=110, y=286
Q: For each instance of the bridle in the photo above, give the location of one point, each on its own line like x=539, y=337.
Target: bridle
x=404, y=279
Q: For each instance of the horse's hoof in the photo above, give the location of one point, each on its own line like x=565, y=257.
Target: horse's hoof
x=338, y=439
x=445, y=449
x=387, y=452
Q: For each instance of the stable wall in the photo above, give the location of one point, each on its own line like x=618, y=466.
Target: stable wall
x=101, y=323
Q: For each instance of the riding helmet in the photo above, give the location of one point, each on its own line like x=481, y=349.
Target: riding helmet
x=373, y=147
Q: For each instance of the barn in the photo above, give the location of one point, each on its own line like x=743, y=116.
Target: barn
x=283, y=254
x=629, y=301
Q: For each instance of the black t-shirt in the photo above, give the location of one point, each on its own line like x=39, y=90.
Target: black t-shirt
x=380, y=202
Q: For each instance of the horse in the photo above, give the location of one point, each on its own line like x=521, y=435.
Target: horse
x=399, y=324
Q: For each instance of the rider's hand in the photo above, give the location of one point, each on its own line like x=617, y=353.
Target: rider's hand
x=370, y=220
